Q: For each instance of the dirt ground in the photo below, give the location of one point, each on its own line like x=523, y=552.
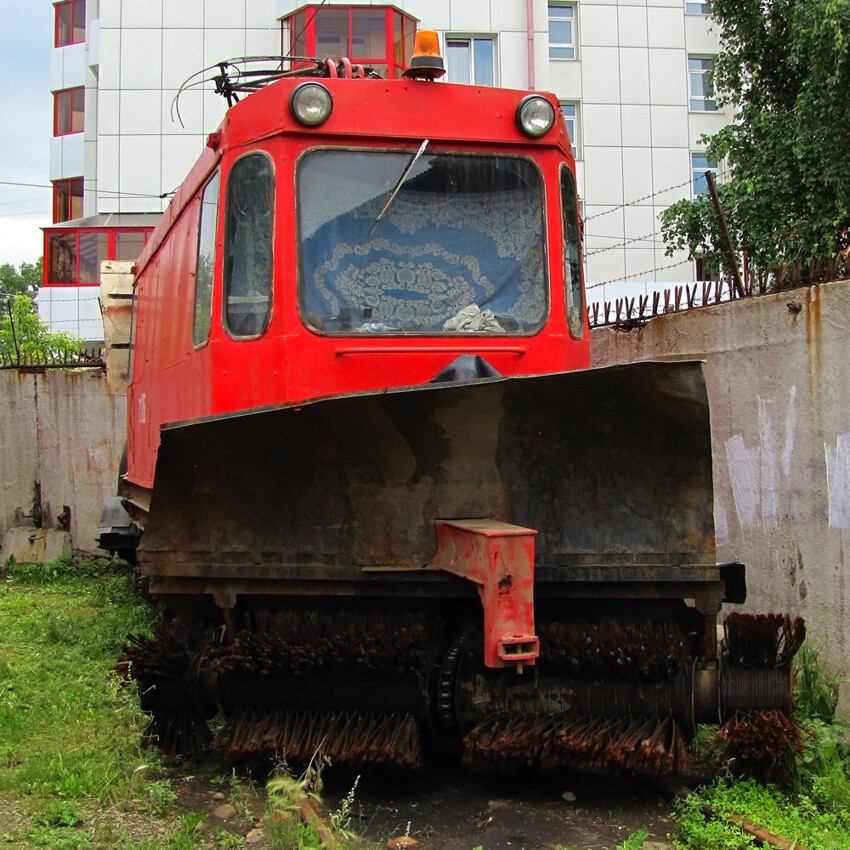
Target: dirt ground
x=441, y=810
x=454, y=810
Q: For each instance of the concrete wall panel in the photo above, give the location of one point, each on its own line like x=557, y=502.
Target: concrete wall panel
x=779, y=390
x=65, y=430
x=19, y=457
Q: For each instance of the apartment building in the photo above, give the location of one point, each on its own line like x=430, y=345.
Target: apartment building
x=630, y=74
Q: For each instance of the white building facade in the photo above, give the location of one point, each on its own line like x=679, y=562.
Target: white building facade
x=631, y=75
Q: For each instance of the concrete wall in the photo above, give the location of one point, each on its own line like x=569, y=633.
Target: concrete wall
x=779, y=387
x=64, y=429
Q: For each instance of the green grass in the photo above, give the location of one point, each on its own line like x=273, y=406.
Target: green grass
x=73, y=774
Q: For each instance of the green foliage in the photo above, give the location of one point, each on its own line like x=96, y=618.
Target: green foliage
x=699, y=832
x=634, y=841
x=815, y=687
x=184, y=837
x=797, y=819
x=22, y=333
x=784, y=67
x=23, y=281
x=817, y=814
x=290, y=798
x=825, y=767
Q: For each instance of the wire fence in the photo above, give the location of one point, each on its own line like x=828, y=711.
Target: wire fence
x=37, y=360
x=631, y=312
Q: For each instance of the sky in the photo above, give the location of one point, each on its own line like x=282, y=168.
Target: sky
x=25, y=44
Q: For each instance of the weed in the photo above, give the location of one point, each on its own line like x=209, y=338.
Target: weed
x=159, y=796
x=241, y=793
x=634, y=841
x=290, y=798
x=60, y=813
x=815, y=686
x=225, y=840
x=798, y=819
x=187, y=829
x=341, y=818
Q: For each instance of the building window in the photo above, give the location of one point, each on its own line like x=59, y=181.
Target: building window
x=698, y=8
x=68, y=111
x=67, y=199
x=701, y=85
x=700, y=163
x=706, y=270
x=129, y=244
x=70, y=22
x=74, y=255
x=571, y=117
x=562, y=33
x=378, y=36
x=471, y=61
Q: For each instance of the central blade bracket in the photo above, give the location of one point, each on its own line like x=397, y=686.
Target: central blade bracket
x=499, y=559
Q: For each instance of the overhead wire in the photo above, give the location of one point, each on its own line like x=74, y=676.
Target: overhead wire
x=31, y=213
x=190, y=82
x=100, y=191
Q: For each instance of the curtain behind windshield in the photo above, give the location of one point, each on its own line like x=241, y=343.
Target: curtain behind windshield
x=459, y=248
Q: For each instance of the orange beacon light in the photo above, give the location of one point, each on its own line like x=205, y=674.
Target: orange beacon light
x=427, y=61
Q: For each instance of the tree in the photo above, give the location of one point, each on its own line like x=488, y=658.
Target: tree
x=784, y=66
x=24, y=336
x=25, y=281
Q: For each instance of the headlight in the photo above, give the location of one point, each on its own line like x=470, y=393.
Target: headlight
x=311, y=104
x=535, y=115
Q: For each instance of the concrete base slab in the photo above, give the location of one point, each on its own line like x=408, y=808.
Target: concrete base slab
x=35, y=545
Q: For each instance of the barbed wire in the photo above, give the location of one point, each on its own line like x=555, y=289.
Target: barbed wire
x=621, y=244
x=638, y=200
x=637, y=274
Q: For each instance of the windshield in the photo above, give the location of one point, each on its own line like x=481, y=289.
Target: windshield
x=455, y=246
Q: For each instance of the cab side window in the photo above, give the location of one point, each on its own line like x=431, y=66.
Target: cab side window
x=572, y=254
x=205, y=263
x=248, y=240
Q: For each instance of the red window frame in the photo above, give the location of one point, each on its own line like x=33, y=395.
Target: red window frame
x=67, y=119
x=399, y=32
x=70, y=23
x=72, y=239
x=67, y=194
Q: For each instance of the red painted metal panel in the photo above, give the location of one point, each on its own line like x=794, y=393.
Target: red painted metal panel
x=499, y=558
x=289, y=363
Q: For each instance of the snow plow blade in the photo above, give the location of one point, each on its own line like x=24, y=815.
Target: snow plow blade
x=612, y=467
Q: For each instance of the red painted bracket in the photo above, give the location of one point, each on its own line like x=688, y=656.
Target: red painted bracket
x=499, y=558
